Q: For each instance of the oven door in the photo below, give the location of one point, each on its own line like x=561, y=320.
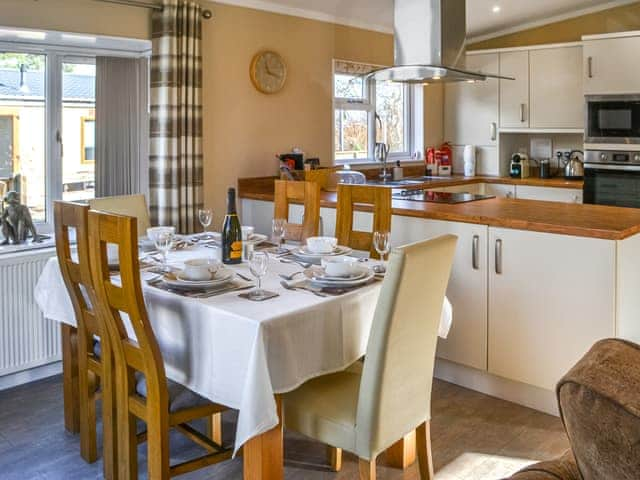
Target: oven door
x=617, y=185
x=613, y=119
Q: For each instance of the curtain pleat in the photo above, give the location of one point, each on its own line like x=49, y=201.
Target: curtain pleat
x=122, y=119
x=175, y=162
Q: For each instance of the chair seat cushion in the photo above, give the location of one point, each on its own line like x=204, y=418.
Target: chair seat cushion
x=325, y=408
x=180, y=397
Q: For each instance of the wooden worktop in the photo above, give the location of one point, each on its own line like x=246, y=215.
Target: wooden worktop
x=595, y=221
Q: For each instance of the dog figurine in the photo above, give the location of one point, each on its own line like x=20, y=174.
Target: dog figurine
x=16, y=221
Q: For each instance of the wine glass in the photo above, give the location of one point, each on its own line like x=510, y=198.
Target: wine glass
x=205, y=216
x=258, y=263
x=163, y=239
x=279, y=230
x=382, y=244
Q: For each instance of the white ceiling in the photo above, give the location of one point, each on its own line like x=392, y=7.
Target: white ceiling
x=378, y=14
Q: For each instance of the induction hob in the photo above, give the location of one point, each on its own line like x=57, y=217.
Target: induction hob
x=439, y=197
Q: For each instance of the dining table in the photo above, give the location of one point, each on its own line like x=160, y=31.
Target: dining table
x=244, y=354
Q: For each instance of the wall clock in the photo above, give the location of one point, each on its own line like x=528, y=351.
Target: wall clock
x=268, y=72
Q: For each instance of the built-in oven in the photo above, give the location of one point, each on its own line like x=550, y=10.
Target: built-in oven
x=612, y=119
x=612, y=178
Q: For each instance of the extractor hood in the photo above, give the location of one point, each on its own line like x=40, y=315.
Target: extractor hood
x=430, y=37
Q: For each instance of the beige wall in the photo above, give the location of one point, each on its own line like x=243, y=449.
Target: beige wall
x=244, y=129
x=607, y=21
x=79, y=16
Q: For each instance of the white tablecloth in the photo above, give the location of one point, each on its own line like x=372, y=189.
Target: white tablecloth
x=239, y=353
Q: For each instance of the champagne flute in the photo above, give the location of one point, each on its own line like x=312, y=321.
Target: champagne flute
x=279, y=230
x=205, y=216
x=382, y=244
x=258, y=263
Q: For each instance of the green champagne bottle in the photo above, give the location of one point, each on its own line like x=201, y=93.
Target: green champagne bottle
x=231, y=232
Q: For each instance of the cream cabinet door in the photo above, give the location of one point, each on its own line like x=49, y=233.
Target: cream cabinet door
x=467, y=341
x=514, y=94
x=611, y=66
x=549, y=194
x=557, y=99
x=471, y=109
x=500, y=190
x=551, y=297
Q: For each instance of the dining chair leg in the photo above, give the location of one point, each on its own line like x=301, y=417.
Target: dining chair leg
x=425, y=460
x=263, y=457
x=87, y=383
x=214, y=428
x=158, y=458
x=109, y=419
x=127, y=439
x=334, y=456
x=402, y=454
x=367, y=469
x=69, y=336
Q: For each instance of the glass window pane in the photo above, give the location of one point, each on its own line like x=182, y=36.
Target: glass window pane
x=78, y=130
x=22, y=128
x=390, y=106
x=351, y=134
x=349, y=86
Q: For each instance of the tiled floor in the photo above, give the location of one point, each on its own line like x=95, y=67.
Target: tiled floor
x=474, y=437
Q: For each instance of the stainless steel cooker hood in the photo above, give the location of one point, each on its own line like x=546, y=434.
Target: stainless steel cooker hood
x=430, y=37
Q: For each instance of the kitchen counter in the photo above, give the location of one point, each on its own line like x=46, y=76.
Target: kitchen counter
x=593, y=221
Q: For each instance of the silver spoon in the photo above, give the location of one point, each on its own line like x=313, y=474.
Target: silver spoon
x=302, y=264
x=290, y=277
x=306, y=289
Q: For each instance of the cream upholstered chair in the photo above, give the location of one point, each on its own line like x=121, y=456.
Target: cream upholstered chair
x=365, y=413
x=130, y=205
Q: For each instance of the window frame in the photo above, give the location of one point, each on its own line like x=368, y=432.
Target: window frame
x=15, y=137
x=368, y=104
x=83, y=158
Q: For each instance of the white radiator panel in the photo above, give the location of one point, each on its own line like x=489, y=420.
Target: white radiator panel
x=27, y=339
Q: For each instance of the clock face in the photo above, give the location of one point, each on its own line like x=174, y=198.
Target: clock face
x=268, y=72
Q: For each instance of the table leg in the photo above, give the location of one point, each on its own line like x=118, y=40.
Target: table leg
x=263, y=455
x=109, y=415
x=402, y=454
x=70, y=386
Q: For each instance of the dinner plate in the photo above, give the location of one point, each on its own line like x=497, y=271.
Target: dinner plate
x=303, y=252
x=358, y=275
x=367, y=275
x=222, y=276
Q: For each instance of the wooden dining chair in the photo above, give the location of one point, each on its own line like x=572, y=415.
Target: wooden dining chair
x=376, y=198
x=366, y=413
x=85, y=349
x=142, y=389
x=131, y=205
x=307, y=193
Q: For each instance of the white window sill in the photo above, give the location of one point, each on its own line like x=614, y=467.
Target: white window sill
x=367, y=163
x=28, y=246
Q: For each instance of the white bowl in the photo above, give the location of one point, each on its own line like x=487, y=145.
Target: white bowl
x=247, y=232
x=200, y=269
x=339, y=266
x=154, y=231
x=321, y=244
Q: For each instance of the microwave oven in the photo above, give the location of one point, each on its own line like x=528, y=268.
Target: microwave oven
x=612, y=119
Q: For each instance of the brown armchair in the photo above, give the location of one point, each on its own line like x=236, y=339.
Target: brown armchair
x=599, y=403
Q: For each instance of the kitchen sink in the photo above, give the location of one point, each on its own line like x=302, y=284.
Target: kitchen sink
x=396, y=183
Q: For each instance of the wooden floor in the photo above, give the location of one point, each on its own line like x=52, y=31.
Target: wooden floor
x=474, y=437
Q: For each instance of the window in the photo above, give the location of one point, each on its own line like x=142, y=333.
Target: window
x=88, y=139
x=366, y=112
x=8, y=146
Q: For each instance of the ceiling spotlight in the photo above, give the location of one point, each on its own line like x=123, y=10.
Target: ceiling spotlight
x=496, y=9
x=436, y=77
x=471, y=81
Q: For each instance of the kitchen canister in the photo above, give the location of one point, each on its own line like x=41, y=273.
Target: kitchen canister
x=469, y=161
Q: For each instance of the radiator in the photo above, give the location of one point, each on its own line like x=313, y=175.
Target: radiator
x=27, y=339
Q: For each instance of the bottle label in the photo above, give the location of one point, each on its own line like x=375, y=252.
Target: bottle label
x=235, y=252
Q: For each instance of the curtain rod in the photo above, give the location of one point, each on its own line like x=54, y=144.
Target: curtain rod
x=138, y=3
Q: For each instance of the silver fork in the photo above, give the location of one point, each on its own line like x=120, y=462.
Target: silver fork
x=306, y=289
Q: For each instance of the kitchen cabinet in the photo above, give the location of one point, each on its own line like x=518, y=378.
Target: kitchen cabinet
x=466, y=343
x=500, y=190
x=514, y=94
x=611, y=65
x=471, y=109
x=556, y=90
x=551, y=297
x=549, y=194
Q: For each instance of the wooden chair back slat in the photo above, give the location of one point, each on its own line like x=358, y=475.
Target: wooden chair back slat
x=376, y=198
x=143, y=355
x=307, y=193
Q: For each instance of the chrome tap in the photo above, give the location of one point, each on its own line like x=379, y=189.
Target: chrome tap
x=381, y=154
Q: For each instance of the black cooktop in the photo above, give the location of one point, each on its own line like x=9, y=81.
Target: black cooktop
x=439, y=197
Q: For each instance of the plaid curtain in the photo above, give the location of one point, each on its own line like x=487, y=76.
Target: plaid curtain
x=175, y=161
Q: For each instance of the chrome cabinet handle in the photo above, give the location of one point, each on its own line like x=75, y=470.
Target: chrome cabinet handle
x=494, y=131
x=522, y=107
x=499, y=257
x=590, y=67
x=474, y=252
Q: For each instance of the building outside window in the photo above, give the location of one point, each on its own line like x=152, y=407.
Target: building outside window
x=366, y=112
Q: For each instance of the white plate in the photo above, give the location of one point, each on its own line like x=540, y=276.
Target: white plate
x=323, y=277
x=368, y=275
x=303, y=252
x=222, y=276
